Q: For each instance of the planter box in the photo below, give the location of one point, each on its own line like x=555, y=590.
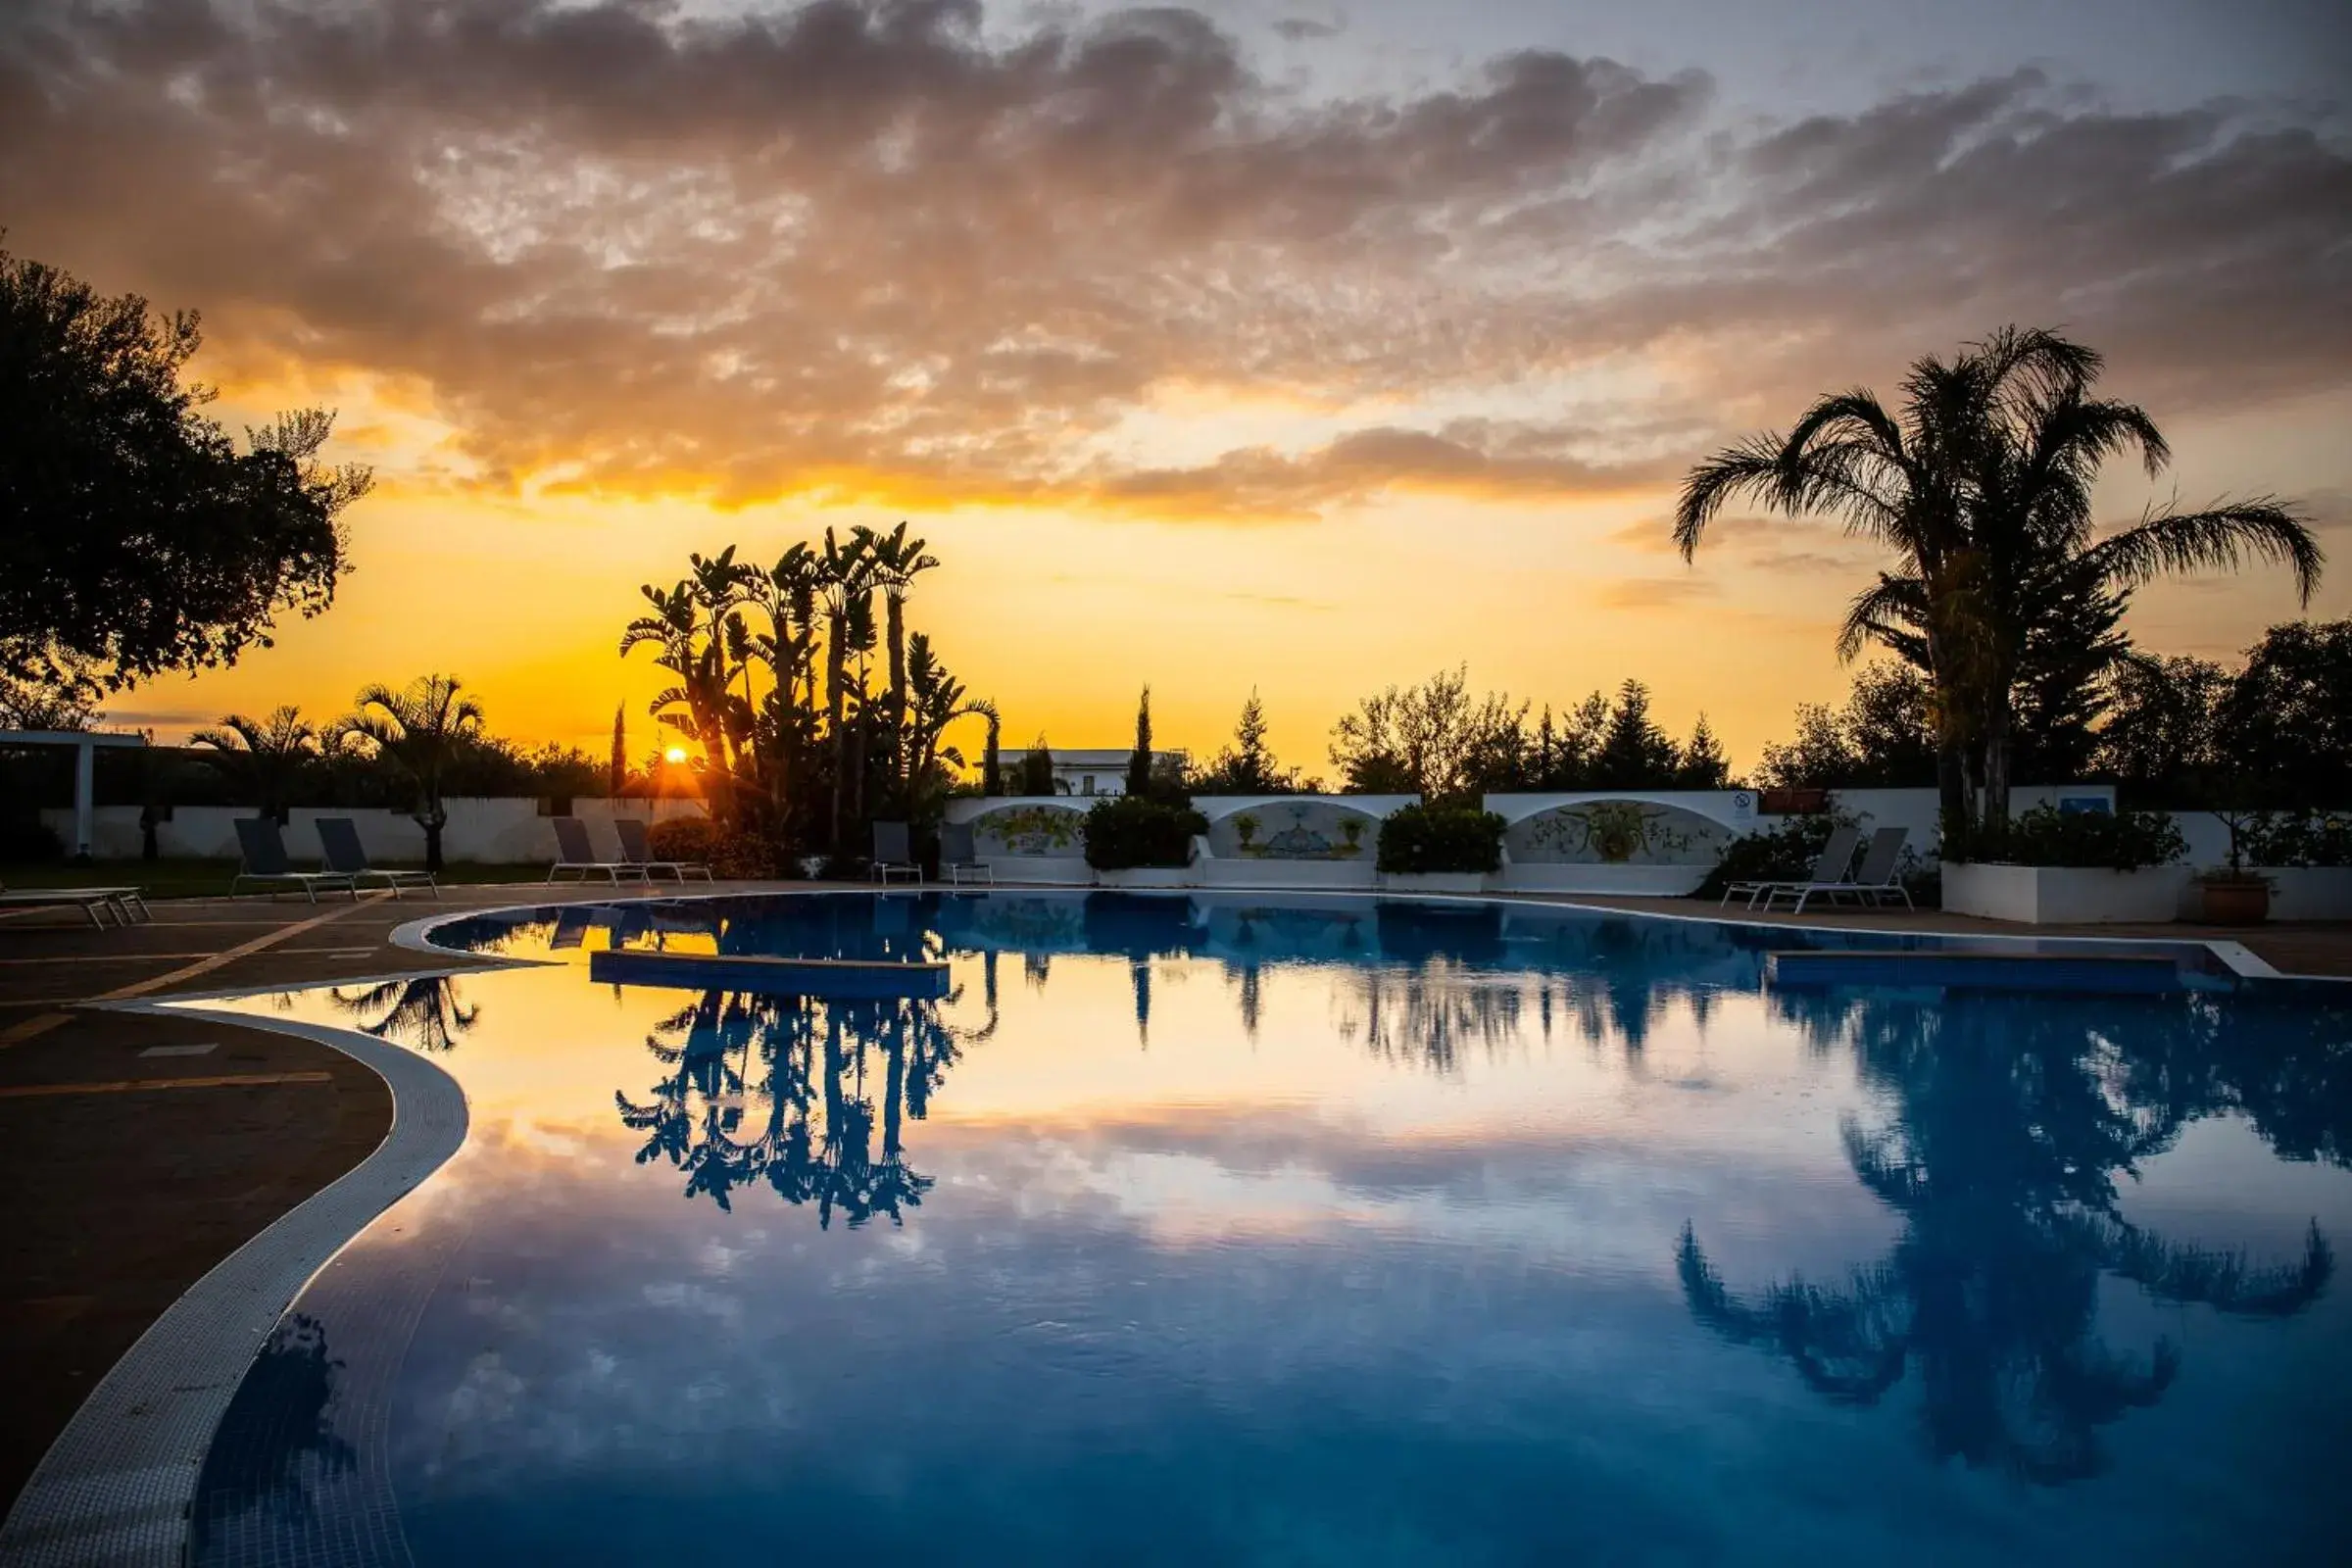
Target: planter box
x=2310, y=891
x=1217, y=871
x=2061, y=894
x=1433, y=882
x=1635, y=881
x=1145, y=876
x=1056, y=870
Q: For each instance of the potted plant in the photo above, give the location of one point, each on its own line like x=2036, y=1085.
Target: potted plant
x=1245, y=828
x=2234, y=894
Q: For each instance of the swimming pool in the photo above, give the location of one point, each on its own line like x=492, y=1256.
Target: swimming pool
x=1245, y=1230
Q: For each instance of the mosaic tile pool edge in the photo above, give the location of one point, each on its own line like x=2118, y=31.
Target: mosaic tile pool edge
x=118, y=1486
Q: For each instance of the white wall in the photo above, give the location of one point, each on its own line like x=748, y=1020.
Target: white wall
x=482, y=830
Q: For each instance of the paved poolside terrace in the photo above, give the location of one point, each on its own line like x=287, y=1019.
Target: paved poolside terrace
x=139, y=1151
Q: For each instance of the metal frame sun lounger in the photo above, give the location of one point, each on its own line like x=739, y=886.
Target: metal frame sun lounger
x=637, y=844
x=894, y=853
x=265, y=861
x=574, y=853
x=339, y=838
x=1828, y=867
x=958, y=857
x=1873, y=882
x=124, y=903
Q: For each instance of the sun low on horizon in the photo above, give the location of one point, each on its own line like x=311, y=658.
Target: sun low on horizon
x=1296, y=350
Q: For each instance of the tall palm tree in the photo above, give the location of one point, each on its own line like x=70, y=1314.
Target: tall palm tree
x=896, y=562
x=262, y=758
x=2047, y=591
x=421, y=727
x=1980, y=487
x=844, y=584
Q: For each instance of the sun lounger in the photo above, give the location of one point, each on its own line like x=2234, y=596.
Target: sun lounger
x=1873, y=882
x=892, y=856
x=265, y=861
x=1828, y=867
x=574, y=853
x=340, y=837
x=636, y=844
x=124, y=903
x=958, y=859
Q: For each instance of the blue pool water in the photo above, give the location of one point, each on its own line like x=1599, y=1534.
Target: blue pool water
x=1329, y=1231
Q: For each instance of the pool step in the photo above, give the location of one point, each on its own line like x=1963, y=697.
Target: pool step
x=845, y=978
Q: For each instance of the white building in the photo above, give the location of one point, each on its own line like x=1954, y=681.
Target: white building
x=1088, y=771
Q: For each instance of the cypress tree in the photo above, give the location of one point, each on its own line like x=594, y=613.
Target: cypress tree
x=1139, y=766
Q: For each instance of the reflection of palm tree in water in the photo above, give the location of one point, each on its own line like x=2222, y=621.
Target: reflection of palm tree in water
x=424, y=1014
x=293, y=1379
x=1429, y=1013
x=815, y=1062
x=2013, y=1121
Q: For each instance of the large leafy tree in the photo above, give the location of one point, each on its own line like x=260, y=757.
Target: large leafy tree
x=2003, y=592
x=2285, y=721
x=134, y=537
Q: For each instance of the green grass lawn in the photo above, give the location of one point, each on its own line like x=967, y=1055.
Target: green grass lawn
x=194, y=879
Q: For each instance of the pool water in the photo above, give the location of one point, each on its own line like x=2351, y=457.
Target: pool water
x=1316, y=1230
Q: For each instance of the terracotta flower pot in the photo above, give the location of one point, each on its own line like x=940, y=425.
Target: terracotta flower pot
x=2246, y=902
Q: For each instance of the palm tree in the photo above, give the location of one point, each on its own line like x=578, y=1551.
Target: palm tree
x=1981, y=489
x=262, y=758
x=938, y=700
x=895, y=560
x=698, y=706
x=421, y=727
x=846, y=583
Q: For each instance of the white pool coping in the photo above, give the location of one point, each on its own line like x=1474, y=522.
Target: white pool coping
x=118, y=1486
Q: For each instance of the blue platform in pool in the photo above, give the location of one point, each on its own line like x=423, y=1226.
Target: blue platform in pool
x=2092, y=972
x=768, y=976
x=1207, y=1229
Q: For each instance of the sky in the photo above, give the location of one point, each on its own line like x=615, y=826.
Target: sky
x=1297, y=348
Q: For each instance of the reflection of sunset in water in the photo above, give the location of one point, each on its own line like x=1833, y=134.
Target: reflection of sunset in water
x=1343, y=1173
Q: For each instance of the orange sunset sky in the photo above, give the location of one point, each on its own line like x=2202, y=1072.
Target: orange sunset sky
x=1287, y=347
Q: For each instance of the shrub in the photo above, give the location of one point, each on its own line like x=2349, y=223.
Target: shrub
x=27, y=839
x=2294, y=839
x=1441, y=838
x=1782, y=854
x=736, y=855
x=2111, y=841
x=1124, y=832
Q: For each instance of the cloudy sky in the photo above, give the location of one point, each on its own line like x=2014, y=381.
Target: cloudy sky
x=1305, y=346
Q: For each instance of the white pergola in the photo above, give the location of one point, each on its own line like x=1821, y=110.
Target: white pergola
x=86, y=744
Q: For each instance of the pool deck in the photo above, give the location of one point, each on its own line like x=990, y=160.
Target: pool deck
x=131, y=1175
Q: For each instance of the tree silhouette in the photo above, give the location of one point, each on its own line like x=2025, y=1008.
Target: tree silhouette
x=2011, y=1126
x=421, y=728
x=262, y=758
x=425, y=1013
x=1980, y=487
